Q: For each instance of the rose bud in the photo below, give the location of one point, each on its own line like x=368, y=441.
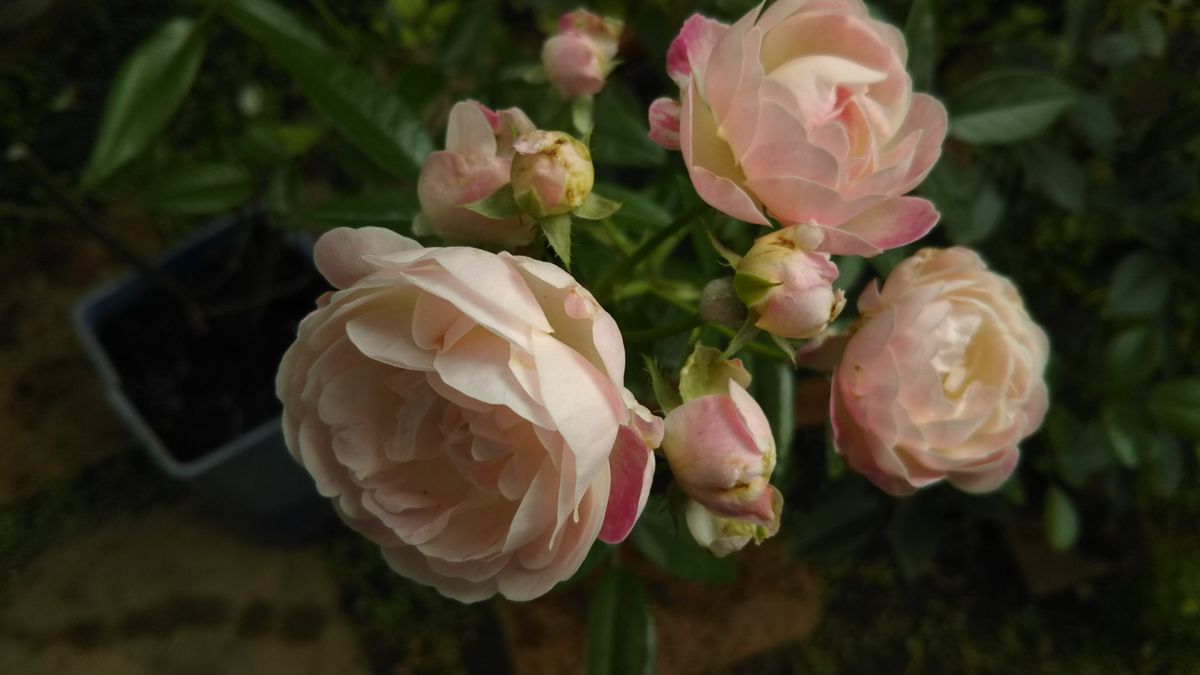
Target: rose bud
x=580, y=56
x=476, y=162
x=788, y=285
x=719, y=445
x=551, y=173
x=722, y=536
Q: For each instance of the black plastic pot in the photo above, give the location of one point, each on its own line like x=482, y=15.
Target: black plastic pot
x=247, y=480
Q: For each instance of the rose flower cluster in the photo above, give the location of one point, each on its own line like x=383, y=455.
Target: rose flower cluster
x=465, y=407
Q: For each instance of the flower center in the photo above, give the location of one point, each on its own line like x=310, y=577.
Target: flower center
x=953, y=337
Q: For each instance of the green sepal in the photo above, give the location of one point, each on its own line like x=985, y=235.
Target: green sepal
x=722, y=250
x=595, y=207
x=558, y=232
x=500, y=205
x=751, y=288
x=745, y=334
x=668, y=398
x=707, y=371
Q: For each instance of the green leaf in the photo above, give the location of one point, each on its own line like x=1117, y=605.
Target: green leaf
x=1127, y=434
x=595, y=207
x=620, y=632
x=1140, y=286
x=1114, y=49
x=500, y=205
x=673, y=549
x=913, y=534
x=1080, y=448
x=1096, y=119
x=199, y=189
x=148, y=89
x=558, y=232
x=268, y=22
x=668, y=398
x=1056, y=174
x=1131, y=357
x=1149, y=32
x=394, y=210
x=1175, y=404
x=920, y=33
x=1062, y=520
x=971, y=205
x=370, y=115
x=1007, y=107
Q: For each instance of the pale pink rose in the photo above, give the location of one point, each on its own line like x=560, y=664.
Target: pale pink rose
x=465, y=411
x=580, y=55
x=789, y=285
x=552, y=173
x=721, y=452
x=804, y=112
x=942, y=380
x=476, y=162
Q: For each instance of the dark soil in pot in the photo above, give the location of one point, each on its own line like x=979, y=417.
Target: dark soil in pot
x=198, y=387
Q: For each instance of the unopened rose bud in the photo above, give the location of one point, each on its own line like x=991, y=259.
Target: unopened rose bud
x=721, y=535
x=788, y=285
x=721, y=452
x=476, y=162
x=580, y=56
x=551, y=173
x=720, y=304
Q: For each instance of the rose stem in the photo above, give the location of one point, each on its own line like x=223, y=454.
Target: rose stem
x=621, y=270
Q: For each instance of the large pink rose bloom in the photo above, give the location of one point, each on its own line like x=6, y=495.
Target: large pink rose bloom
x=465, y=411
x=476, y=162
x=942, y=380
x=805, y=113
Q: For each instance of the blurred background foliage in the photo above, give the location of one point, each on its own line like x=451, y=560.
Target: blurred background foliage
x=1071, y=165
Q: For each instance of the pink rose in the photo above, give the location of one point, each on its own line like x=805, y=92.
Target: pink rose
x=581, y=55
x=804, y=112
x=476, y=162
x=720, y=447
x=943, y=378
x=465, y=411
x=789, y=286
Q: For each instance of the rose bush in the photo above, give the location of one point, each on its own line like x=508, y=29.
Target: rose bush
x=477, y=161
x=943, y=378
x=805, y=113
x=481, y=437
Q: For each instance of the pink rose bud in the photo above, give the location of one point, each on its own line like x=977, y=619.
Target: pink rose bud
x=721, y=535
x=788, y=285
x=721, y=452
x=803, y=111
x=943, y=378
x=476, y=162
x=580, y=56
x=551, y=173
